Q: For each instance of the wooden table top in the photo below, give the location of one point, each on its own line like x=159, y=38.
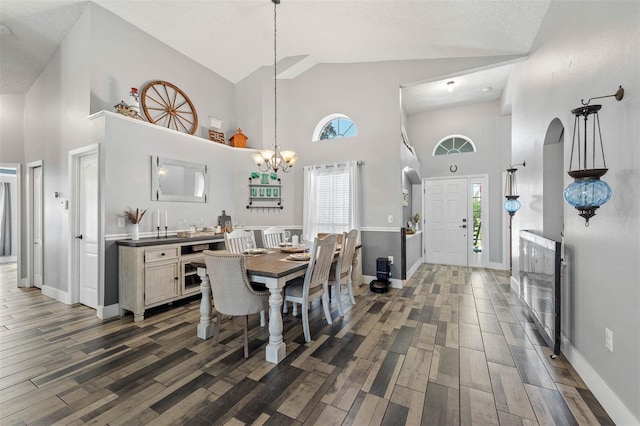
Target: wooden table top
x=271, y=264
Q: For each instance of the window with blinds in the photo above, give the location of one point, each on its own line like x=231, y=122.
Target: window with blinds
x=332, y=201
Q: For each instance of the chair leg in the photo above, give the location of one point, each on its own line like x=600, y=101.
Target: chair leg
x=325, y=306
x=295, y=309
x=246, y=336
x=305, y=324
x=218, y=322
x=338, y=297
x=263, y=321
x=350, y=289
x=284, y=307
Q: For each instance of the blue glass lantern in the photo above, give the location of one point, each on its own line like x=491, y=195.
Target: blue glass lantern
x=512, y=205
x=587, y=193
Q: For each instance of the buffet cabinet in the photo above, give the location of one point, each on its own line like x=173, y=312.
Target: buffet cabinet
x=153, y=272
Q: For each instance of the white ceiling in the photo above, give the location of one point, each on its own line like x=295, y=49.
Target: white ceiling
x=235, y=37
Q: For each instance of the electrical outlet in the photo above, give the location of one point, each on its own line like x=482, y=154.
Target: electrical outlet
x=391, y=259
x=390, y=218
x=608, y=339
x=121, y=222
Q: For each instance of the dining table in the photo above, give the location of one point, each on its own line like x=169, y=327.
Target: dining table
x=271, y=267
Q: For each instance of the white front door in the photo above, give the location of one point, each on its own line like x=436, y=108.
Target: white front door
x=446, y=224
x=87, y=232
x=37, y=266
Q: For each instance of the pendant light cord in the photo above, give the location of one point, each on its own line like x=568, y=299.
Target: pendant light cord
x=275, y=79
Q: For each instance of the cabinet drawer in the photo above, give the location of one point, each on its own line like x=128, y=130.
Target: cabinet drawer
x=153, y=255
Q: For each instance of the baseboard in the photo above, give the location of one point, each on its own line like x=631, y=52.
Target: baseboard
x=110, y=311
x=414, y=268
x=23, y=283
x=616, y=409
x=54, y=293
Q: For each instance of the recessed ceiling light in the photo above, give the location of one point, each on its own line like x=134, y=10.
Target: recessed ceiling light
x=4, y=30
x=450, y=86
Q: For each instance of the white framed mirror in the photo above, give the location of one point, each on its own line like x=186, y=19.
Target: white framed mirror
x=176, y=180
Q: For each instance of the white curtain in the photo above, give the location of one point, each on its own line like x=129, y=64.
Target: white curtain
x=5, y=219
x=331, y=198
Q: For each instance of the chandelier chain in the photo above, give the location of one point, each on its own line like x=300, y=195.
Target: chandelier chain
x=275, y=77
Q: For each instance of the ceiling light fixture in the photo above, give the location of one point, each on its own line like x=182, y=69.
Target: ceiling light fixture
x=587, y=192
x=450, y=86
x=275, y=159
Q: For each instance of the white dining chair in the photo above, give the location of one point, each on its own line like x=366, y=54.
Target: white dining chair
x=315, y=282
x=272, y=237
x=232, y=293
x=341, y=273
x=239, y=241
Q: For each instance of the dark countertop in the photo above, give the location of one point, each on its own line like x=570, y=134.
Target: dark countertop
x=144, y=242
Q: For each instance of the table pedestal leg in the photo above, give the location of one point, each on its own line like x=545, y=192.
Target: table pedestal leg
x=205, y=328
x=276, y=349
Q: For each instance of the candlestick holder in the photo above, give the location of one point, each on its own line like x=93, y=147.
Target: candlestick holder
x=158, y=229
x=165, y=231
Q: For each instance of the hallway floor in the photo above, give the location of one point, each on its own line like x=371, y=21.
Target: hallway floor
x=455, y=346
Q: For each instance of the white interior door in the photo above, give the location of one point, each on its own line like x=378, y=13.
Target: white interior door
x=37, y=249
x=446, y=224
x=87, y=231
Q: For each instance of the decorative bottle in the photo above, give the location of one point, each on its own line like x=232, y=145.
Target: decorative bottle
x=133, y=102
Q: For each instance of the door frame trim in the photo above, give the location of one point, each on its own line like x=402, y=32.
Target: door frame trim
x=29, y=273
x=74, y=221
x=17, y=166
x=485, y=209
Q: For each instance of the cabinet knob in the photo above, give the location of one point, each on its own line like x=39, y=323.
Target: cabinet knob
x=161, y=254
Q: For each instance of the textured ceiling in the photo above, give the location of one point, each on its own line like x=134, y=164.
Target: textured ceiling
x=235, y=37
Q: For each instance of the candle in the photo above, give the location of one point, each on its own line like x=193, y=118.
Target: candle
x=158, y=221
x=166, y=218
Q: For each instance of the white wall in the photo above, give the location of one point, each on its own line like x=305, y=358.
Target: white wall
x=123, y=56
x=481, y=122
x=574, y=58
x=12, y=128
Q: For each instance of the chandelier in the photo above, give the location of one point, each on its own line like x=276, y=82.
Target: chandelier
x=587, y=192
x=275, y=159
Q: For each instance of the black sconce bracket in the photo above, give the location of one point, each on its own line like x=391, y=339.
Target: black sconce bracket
x=618, y=95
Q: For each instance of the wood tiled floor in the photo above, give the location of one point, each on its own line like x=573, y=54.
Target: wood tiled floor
x=453, y=347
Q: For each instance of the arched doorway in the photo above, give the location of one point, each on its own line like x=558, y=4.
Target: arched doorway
x=553, y=181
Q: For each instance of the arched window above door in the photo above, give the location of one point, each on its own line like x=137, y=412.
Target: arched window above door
x=454, y=144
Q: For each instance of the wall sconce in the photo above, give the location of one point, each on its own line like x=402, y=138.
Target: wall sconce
x=512, y=205
x=450, y=86
x=587, y=192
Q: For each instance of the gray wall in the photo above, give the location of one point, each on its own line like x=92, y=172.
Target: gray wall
x=576, y=59
x=483, y=124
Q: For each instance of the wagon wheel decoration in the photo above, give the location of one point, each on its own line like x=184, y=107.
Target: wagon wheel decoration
x=166, y=105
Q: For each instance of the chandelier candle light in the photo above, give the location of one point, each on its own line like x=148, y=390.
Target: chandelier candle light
x=275, y=159
x=587, y=192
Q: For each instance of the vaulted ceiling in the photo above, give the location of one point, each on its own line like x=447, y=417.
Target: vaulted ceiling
x=235, y=37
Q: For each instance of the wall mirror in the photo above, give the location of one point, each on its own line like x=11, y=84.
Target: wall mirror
x=175, y=180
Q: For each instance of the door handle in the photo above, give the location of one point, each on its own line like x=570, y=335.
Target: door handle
x=79, y=237
x=463, y=226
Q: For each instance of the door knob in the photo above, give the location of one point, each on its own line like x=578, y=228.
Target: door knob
x=463, y=226
x=79, y=237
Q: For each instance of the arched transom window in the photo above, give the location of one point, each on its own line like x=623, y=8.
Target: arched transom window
x=454, y=144
x=334, y=126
